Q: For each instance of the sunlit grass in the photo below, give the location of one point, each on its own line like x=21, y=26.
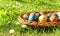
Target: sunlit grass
x=11, y=9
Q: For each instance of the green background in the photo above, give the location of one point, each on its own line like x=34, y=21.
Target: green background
x=11, y=9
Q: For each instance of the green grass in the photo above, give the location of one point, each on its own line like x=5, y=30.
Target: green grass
x=10, y=10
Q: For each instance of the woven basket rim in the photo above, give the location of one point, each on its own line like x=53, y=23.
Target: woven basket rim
x=38, y=24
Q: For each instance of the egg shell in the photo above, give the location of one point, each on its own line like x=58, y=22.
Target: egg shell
x=42, y=18
x=37, y=16
x=58, y=13
x=32, y=17
x=54, y=14
x=42, y=13
x=53, y=18
x=32, y=13
x=48, y=16
x=25, y=16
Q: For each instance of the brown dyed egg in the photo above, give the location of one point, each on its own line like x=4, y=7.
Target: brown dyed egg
x=53, y=18
x=42, y=18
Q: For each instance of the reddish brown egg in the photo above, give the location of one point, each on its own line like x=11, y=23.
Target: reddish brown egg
x=53, y=18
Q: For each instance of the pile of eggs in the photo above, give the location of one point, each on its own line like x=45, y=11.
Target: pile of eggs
x=41, y=17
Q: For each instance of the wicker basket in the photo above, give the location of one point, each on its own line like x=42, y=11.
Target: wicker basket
x=38, y=24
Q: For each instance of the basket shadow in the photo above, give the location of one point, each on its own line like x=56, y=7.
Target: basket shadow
x=45, y=29
x=30, y=29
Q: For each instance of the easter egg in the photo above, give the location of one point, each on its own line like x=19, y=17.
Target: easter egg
x=54, y=14
x=42, y=13
x=42, y=18
x=54, y=18
x=25, y=16
x=48, y=16
x=37, y=16
x=58, y=13
x=32, y=17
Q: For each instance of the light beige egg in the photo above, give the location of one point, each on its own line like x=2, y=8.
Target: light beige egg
x=42, y=18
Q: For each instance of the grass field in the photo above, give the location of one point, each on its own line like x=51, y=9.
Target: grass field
x=11, y=9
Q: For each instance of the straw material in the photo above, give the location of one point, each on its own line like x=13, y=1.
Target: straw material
x=37, y=23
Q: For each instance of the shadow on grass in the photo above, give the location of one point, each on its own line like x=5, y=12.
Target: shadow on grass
x=47, y=29
x=41, y=29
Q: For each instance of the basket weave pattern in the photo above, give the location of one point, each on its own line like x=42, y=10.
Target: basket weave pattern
x=38, y=24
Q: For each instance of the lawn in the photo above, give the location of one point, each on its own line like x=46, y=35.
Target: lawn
x=11, y=9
